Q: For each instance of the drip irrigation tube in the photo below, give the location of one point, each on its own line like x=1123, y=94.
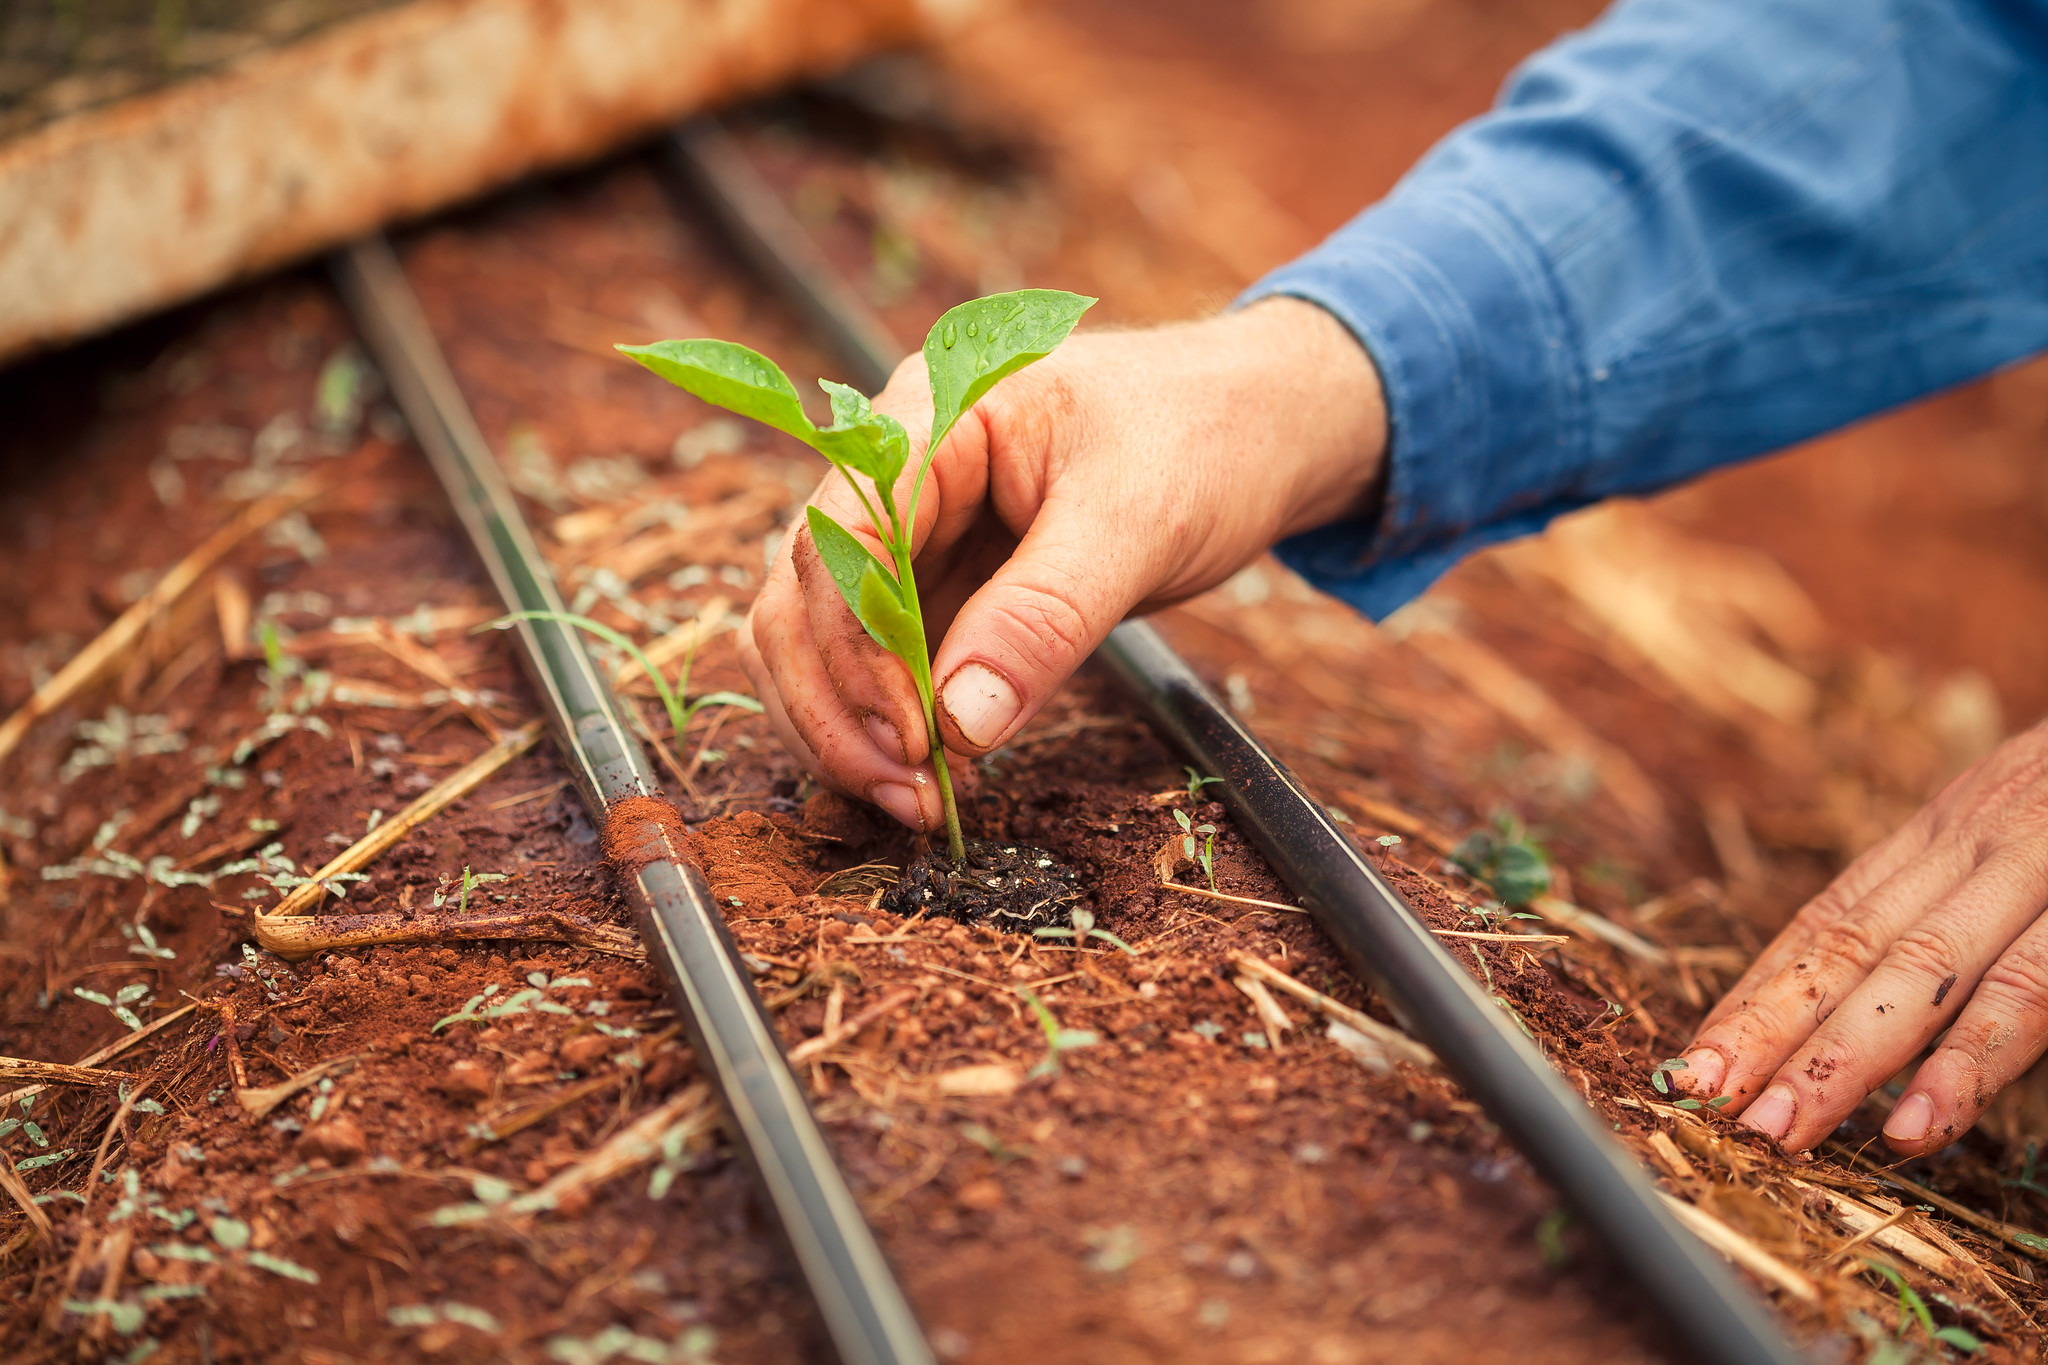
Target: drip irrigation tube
x=1715, y=1319
x=862, y=1307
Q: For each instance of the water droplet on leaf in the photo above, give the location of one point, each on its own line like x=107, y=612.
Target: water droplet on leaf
x=950, y=336
x=971, y=329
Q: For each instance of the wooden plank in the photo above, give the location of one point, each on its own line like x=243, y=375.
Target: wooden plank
x=120, y=210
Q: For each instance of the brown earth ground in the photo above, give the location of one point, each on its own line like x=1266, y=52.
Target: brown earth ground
x=1702, y=707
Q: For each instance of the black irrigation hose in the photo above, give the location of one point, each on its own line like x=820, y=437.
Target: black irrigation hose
x=1715, y=1319
x=862, y=1307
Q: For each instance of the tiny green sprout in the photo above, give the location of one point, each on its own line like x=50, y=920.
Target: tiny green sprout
x=970, y=348
x=983, y=1137
x=1913, y=1308
x=273, y=649
x=2027, y=1178
x=680, y=712
x=1657, y=1080
x=1189, y=830
x=1505, y=858
x=1196, y=782
x=1550, y=1243
x=1083, y=922
x=1058, y=1040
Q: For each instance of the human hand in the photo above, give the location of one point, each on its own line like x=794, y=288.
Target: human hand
x=1124, y=472
x=1940, y=926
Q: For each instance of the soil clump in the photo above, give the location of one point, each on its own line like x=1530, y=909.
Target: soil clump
x=1010, y=886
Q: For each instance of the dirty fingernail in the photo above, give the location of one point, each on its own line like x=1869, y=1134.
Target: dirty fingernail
x=1772, y=1114
x=899, y=800
x=888, y=739
x=1911, y=1119
x=981, y=702
x=1704, y=1071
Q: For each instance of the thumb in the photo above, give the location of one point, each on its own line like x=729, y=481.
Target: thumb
x=1037, y=619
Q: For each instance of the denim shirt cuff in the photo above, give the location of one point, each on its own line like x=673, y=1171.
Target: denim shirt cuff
x=1485, y=394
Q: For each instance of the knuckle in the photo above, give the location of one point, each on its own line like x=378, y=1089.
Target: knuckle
x=2019, y=977
x=1847, y=940
x=1044, y=620
x=1927, y=949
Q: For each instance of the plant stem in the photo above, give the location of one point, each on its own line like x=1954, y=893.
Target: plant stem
x=921, y=674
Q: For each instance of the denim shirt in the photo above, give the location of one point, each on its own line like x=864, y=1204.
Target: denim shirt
x=1696, y=232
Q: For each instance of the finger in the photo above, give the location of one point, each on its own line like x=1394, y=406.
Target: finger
x=1920, y=985
x=2000, y=1033
x=1737, y=1053
x=778, y=717
x=1870, y=870
x=824, y=727
x=1089, y=554
x=869, y=681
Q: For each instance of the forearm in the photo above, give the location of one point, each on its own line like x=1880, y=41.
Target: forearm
x=1690, y=235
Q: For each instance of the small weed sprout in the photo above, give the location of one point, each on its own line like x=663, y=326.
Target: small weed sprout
x=481, y=1008
x=143, y=943
x=680, y=711
x=1550, y=1243
x=121, y=1003
x=1658, y=1072
x=1913, y=1308
x=1204, y=854
x=1505, y=858
x=969, y=349
x=1196, y=782
x=1083, y=922
x=983, y=1137
x=1058, y=1040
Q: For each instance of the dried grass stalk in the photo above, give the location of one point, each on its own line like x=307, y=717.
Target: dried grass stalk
x=1599, y=928
x=112, y=644
x=1395, y=1043
x=367, y=849
x=107, y=1053
x=634, y=1145
x=10, y=1181
x=835, y=1034
x=1741, y=1250
x=56, y=1073
x=304, y=935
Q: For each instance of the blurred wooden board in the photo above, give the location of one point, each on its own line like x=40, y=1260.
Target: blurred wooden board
x=126, y=207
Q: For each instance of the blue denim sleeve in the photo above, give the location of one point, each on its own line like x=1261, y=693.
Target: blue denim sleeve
x=1696, y=232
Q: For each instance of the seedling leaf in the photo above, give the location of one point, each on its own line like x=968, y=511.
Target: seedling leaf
x=869, y=442
x=882, y=611
x=734, y=377
x=973, y=347
x=846, y=559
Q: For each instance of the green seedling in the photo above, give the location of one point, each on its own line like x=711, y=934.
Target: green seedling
x=1083, y=922
x=1505, y=858
x=1196, y=782
x=680, y=712
x=1913, y=1308
x=1058, y=1040
x=1658, y=1073
x=969, y=349
x=1550, y=1243
x=1206, y=853
x=2028, y=1178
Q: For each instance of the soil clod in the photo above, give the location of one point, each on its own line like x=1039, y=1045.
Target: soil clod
x=1013, y=885
x=639, y=830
